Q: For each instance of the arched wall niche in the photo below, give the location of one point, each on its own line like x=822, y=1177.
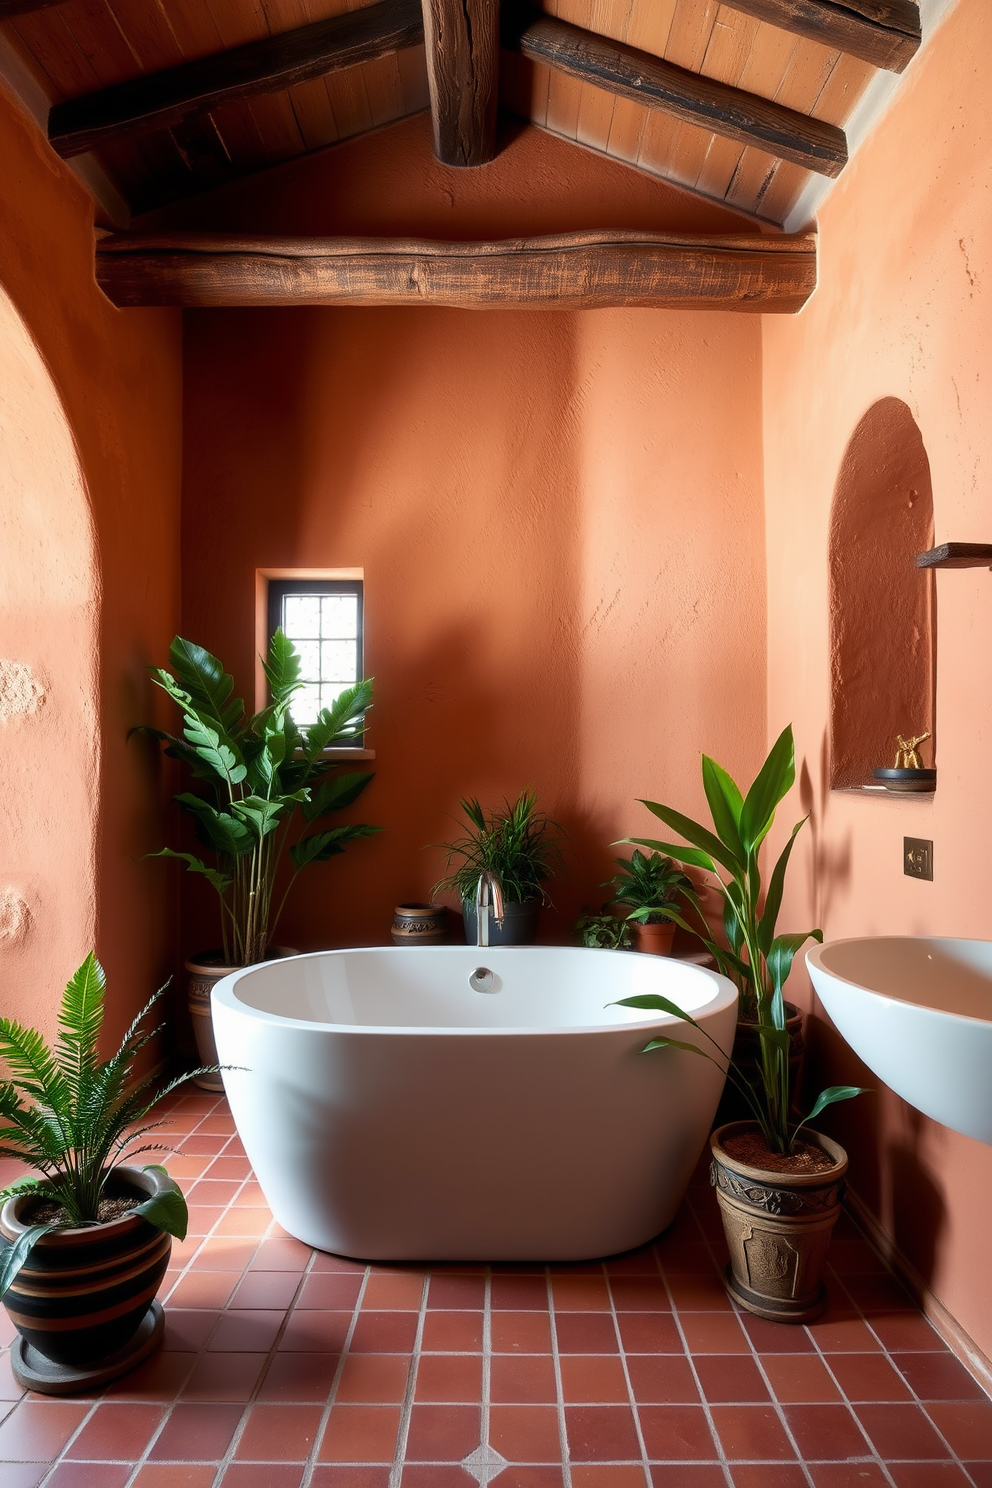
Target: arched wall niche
x=49, y=739
x=882, y=607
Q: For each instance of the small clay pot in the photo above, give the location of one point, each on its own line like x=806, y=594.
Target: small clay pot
x=205, y=971
x=420, y=924
x=656, y=939
x=778, y=1228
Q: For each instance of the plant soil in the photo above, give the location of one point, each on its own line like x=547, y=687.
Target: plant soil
x=750, y=1148
x=46, y=1211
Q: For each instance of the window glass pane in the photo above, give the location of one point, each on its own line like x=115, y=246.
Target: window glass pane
x=309, y=653
x=306, y=705
x=337, y=661
x=339, y=616
x=330, y=693
x=301, y=615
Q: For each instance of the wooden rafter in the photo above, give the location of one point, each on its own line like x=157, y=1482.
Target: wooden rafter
x=462, y=44
x=629, y=73
x=11, y=8
x=886, y=33
x=163, y=98
x=574, y=271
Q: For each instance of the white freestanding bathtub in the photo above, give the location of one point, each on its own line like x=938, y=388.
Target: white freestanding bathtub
x=396, y=1105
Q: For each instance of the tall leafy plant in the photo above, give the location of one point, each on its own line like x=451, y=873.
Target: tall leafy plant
x=518, y=845
x=73, y=1116
x=261, y=777
x=755, y=957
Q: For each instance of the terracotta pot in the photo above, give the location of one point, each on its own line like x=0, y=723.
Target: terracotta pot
x=420, y=924
x=519, y=926
x=83, y=1294
x=747, y=1059
x=655, y=939
x=778, y=1228
x=205, y=971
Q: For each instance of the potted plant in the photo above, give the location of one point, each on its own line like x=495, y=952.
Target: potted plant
x=603, y=931
x=651, y=887
x=518, y=847
x=85, y=1244
x=778, y=1182
x=260, y=778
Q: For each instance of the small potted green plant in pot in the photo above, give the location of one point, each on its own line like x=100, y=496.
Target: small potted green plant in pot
x=779, y=1183
x=86, y=1242
x=518, y=849
x=603, y=931
x=260, y=782
x=651, y=887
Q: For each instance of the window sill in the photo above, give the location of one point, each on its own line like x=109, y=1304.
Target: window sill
x=348, y=754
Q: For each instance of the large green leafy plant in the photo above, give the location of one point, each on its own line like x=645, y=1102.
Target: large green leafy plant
x=757, y=959
x=650, y=886
x=261, y=775
x=74, y=1117
x=519, y=846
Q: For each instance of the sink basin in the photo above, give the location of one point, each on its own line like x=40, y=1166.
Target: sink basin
x=918, y=1011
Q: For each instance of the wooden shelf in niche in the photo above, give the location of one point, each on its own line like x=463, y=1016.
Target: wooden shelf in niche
x=957, y=555
x=880, y=791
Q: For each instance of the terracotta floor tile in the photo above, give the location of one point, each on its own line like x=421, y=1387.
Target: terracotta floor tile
x=981, y=1474
x=9, y=1388
x=593, y=1379
x=676, y=1433
x=315, y=1332
x=525, y=1433
x=519, y=1293
x=868, y=1377
x=350, y=1477
x=729, y=1379
x=851, y=1257
x=161, y=1378
x=196, y=1433
x=967, y=1425
x=687, y=1475
x=615, y=1475
x=197, y=1143
x=435, y=1476
x=73, y=1475
x=580, y=1293
x=463, y=1293
x=708, y=1333
x=224, y=1377
x=207, y=1289
x=901, y=1332
x=173, y=1475
x=279, y=1433
x=768, y=1475
x=252, y=1331
x=827, y=1433
x=324, y=1261
x=847, y=1475
x=263, y=1475
x=776, y=1338
x=901, y=1432
x=280, y=1255
x=238, y=1168
x=374, y=1379
x=752, y=1433
x=251, y=1196
x=117, y=1432
x=186, y=1166
x=243, y=1221
x=586, y=1333
x=225, y=1253
x=266, y=1289
x=643, y=1262
x=843, y=1335
x=522, y=1379
x=639, y=1294
x=397, y=1291
x=202, y=1219
x=449, y=1378
x=929, y=1475
x=662, y=1380
x=938, y=1376
x=360, y=1433
x=187, y=1329
x=328, y=1291
x=511, y=1332
x=879, y=1292
x=37, y=1430
x=213, y=1192
x=680, y=1258
x=518, y=1476
x=299, y=1377
x=799, y=1377
x=442, y=1433
x=601, y=1433
x=27, y=1474
x=384, y=1332
x=699, y=1293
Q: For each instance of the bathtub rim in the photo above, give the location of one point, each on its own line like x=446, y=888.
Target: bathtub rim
x=223, y=994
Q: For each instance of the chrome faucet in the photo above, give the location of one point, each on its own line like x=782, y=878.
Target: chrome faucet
x=488, y=893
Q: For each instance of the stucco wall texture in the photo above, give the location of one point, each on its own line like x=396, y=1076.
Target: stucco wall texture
x=902, y=310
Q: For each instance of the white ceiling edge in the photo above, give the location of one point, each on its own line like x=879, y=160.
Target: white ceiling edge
x=112, y=209
x=870, y=108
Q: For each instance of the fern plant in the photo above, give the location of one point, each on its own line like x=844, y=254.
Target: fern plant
x=74, y=1117
x=518, y=846
x=260, y=776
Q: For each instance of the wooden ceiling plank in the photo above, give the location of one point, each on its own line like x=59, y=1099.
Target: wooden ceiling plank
x=885, y=33
x=412, y=66
x=626, y=128
x=752, y=177
x=53, y=55
x=836, y=100
x=253, y=70
x=383, y=90
x=730, y=51
x=564, y=101
x=650, y=25
x=568, y=272
x=783, y=191
x=596, y=107
x=462, y=48
x=696, y=100
x=11, y=8
x=349, y=102
x=313, y=114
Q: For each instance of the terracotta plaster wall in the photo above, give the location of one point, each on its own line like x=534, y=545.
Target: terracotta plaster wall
x=902, y=310
x=558, y=517
x=113, y=380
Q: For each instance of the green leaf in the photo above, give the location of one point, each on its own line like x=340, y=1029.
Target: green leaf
x=259, y=815
x=781, y=954
x=343, y=721
x=14, y=1255
x=667, y=1043
x=773, y=781
x=220, y=881
x=681, y=853
x=224, y=832
x=773, y=898
x=829, y=1096
x=165, y=1210
x=323, y=845
x=215, y=748
x=700, y=837
x=282, y=668
x=725, y=803
x=334, y=794
x=206, y=683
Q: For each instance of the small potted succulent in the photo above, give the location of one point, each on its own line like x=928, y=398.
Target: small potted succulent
x=86, y=1242
x=260, y=780
x=651, y=887
x=779, y=1183
x=518, y=847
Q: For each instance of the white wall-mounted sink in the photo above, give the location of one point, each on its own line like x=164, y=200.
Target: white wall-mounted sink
x=918, y=1011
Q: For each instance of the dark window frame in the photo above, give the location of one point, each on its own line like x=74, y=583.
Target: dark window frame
x=279, y=589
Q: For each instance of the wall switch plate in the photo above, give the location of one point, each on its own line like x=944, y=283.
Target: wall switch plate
x=917, y=857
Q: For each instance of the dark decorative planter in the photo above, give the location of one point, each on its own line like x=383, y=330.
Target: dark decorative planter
x=778, y=1228
x=519, y=926
x=420, y=924
x=84, y=1294
x=655, y=939
x=205, y=971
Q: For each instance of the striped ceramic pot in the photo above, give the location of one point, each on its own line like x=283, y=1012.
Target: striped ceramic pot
x=82, y=1293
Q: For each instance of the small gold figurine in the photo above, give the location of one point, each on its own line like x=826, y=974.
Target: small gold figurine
x=906, y=755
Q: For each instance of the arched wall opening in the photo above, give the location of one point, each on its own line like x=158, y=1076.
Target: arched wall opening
x=49, y=739
x=882, y=607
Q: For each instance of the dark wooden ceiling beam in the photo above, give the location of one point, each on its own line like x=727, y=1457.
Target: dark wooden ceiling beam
x=462, y=42
x=886, y=33
x=161, y=99
x=575, y=271
x=11, y=8
x=629, y=73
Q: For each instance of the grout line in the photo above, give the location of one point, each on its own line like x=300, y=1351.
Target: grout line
x=318, y=1436
x=487, y=1357
x=406, y=1409
x=634, y=1410
x=566, y=1462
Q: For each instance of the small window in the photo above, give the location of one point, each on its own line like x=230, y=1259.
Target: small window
x=323, y=619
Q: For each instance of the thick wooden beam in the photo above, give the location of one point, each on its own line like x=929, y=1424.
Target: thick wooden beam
x=160, y=99
x=886, y=33
x=462, y=41
x=576, y=271
x=11, y=8
x=629, y=73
